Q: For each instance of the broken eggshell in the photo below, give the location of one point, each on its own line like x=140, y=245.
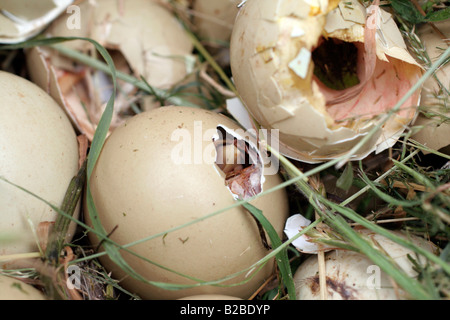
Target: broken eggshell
x=353, y=276
x=145, y=40
x=23, y=19
x=435, y=131
x=39, y=152
x=304, y=243
x=273, y=46
x=163, y=169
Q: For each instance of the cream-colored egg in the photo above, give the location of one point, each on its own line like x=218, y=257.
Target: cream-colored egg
x=158, y=172
x=214, y=20
x=435, y=132
x=353, y=276
x=15, y=289
x=38, y=152
x=274, y=49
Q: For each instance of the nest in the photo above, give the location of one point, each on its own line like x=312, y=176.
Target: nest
x=406, y=187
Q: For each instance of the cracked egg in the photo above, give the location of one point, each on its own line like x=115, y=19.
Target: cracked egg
x=143, y=38
x=323, y=73
x=353, y=276
x=168, y=167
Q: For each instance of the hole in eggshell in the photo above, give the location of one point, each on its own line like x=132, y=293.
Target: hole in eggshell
x=240, y=162
x=382, y=82
x=336, y=63
x=86, y=91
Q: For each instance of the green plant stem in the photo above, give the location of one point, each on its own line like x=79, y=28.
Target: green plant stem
x=420, y=146
x=28, y=255
x=282, y=257
x=60, y=228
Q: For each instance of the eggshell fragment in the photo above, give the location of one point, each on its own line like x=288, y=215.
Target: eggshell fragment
x=275, y=77
x=15, y=289
x=158, y=172
x=144, y=39
x=353, y=276
x=151, y=39
x=295, y=224
x=22, y=19
x=39, y=152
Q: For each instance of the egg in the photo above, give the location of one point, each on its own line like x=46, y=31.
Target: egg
x=323, y=74
x=164, y=168
x=144, y=40
x=352, y=276
x=434, y=132
x=15, y=289
x=214, y=20
x=38, y=152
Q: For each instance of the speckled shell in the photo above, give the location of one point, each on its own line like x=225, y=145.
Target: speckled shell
x=38, y=152
x=137, y=186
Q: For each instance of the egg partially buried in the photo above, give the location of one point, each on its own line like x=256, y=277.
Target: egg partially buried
x=38, y=152
x=14, y=289
x=434, y=130
x=351, y=275
x=164, y=168
x=214, y=19
x=323, y=73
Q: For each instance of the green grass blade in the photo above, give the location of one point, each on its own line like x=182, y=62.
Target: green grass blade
x=386, y=197
x=282, y=257
x=416, y=175
x=350, y=214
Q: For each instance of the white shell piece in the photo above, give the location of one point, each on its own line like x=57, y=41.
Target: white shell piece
x=21, y=20
x=294, y=224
